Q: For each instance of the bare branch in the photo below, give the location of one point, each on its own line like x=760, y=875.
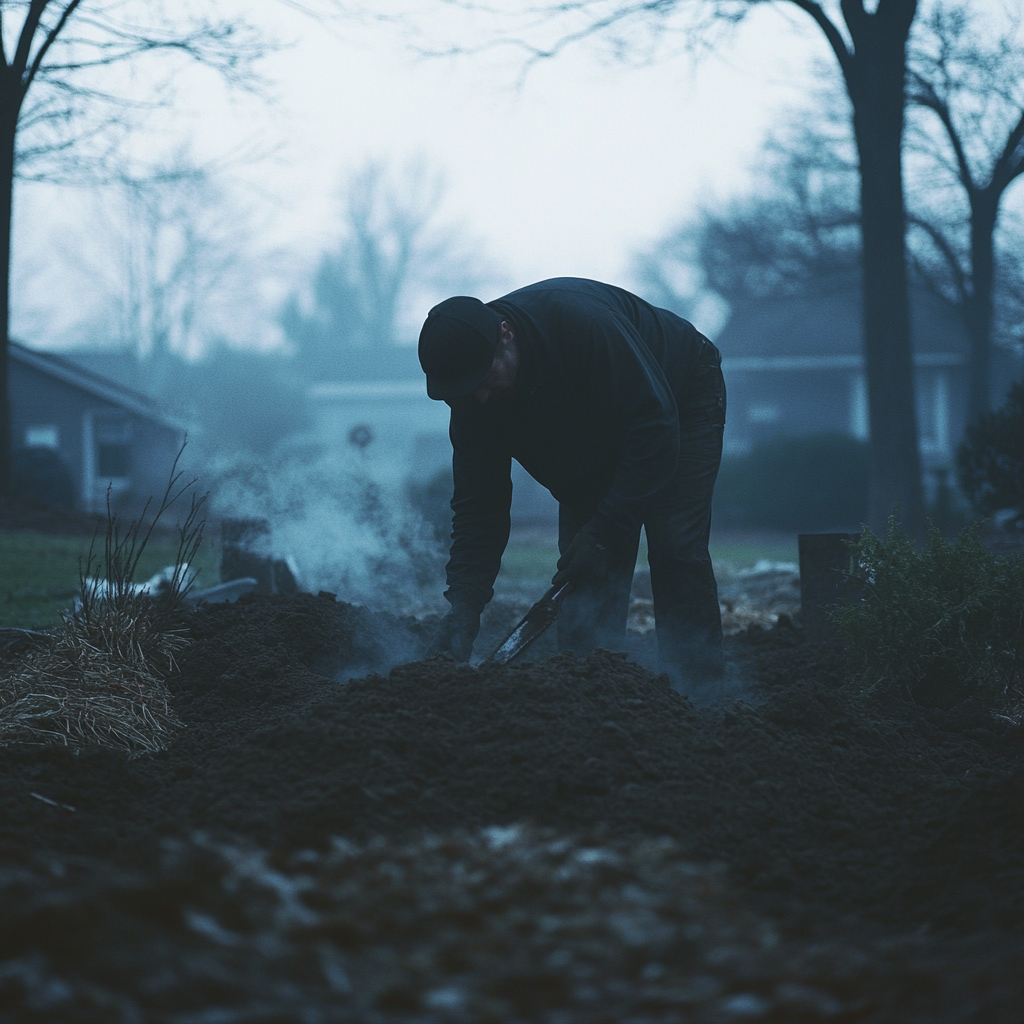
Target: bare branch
x=28, y=31
x=1011, y=161
x=946, y=250
x=76, y=43
x=832, y=33
x=924, y=95
x=29, y=76
x=543, y=31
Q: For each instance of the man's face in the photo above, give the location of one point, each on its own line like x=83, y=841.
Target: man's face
x=504, y=368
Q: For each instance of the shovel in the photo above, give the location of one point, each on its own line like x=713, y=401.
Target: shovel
x=532, y=624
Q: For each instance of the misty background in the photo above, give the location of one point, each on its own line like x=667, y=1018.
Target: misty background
x=257, y=257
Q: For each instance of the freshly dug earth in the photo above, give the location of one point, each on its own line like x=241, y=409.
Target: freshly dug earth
x=565, y=840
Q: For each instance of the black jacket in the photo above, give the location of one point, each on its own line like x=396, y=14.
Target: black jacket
x=593, y=416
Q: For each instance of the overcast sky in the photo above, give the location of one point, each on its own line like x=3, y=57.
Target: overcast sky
x=561, y=176
x=567, y=175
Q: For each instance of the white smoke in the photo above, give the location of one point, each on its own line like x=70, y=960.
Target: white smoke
x=342, y=527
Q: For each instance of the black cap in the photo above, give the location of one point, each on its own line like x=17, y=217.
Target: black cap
x=457, y=345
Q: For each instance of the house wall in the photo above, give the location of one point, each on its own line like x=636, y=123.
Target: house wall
x=154, y=448
x=396, y=430
x=775, y=397
x=406, y=437
x=765, y=403
x=100, y=443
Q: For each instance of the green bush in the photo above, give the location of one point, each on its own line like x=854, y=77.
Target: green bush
x=991, y=459
x=815, y=482
x=939, y=625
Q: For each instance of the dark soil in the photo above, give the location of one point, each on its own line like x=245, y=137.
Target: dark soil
x=565, y=840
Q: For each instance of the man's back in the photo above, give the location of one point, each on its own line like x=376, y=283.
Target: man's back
x=596, y=405
x=562, y=313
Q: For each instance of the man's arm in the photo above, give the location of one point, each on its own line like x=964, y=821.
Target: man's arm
x=481, y=505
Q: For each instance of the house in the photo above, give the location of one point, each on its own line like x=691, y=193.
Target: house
x=105, y=434
x=794, y=365
x=380, y=408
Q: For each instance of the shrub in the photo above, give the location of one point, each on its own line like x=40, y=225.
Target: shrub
x=938, y=625
x=991, y=459
x=41, y=475
x=809, y=483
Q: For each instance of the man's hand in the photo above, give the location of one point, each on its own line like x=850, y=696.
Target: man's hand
x=585, y=561
x=456, y=633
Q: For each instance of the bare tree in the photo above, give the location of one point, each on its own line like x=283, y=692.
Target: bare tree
x=394, y=245
x=800, y=221
x=179, y=259
x=869, y=41
x=971, y=84
x=54, y=100
x=798, y=227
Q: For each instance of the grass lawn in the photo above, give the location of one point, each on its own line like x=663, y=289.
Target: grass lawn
x=531, y=556
x=741, y=550
x=39, y=573
x=529, y=559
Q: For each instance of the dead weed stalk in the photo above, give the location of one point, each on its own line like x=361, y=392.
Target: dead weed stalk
x=99, y=679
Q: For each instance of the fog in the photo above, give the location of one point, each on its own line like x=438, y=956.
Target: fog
x=258, y=260
x=564, y=174
x=341, y=527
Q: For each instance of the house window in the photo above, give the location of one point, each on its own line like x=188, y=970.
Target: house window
x=113, y=447
x=114, y=460
x=42, y=436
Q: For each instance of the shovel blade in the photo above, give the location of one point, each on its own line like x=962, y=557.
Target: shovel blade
x=535, y=622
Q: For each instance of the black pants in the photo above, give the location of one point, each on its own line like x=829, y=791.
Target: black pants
x=678, y=524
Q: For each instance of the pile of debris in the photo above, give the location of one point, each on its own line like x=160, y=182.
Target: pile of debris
x=753, y=595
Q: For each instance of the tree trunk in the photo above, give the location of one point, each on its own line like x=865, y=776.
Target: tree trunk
x=7, y=134
x=875, y=79
x=978, y=307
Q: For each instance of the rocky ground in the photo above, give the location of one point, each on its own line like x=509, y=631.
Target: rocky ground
x=566, y=840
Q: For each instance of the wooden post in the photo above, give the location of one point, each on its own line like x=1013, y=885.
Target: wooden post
x=245, y=551
x=824, y=585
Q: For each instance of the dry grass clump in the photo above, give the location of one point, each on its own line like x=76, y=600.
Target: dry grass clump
x=99, y=679
x=96, y=682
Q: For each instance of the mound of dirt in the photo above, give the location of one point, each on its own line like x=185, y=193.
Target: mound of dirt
x=829, y=820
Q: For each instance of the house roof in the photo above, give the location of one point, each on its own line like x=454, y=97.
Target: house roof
x=99, y=387
x=828, y=323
